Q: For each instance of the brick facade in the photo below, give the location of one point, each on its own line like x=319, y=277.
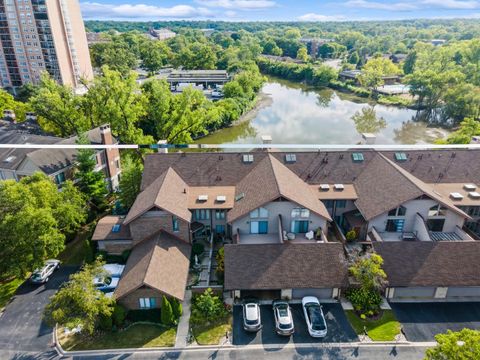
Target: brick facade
x=131, y=301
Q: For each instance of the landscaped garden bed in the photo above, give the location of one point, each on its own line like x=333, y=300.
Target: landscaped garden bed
x=139, y=335
x=383, y=327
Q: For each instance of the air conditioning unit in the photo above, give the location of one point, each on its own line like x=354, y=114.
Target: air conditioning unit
x=456, y=196
x=470, y=187
x=221, y=198
x=339, y=187
x=474, y=195
x=202, y=197
x=324, y=187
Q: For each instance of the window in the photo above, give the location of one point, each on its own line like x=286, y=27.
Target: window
x=341, y=204
x=117, y=164
x=300, y=212
x=174, y=223
x=357, y=157
x=299, y=226
x=147, y=303
x=437, y=210
x=395, y=225
x=400, y=211
x=259, y=213
x=328, y=204
x=60, y=178
x=220, y=214
x=220, y=229
x=116, y=228
x=259, y=227
x=435, y=224
x=202, y=214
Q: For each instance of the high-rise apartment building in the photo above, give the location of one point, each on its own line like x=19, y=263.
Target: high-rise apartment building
x=42, y=35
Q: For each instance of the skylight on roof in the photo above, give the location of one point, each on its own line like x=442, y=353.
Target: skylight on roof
x=116, y=228
x=10, y=159
x=401, y=156
x=290, y=158
x=248, y=158
x=357, y=157
x=239, y=196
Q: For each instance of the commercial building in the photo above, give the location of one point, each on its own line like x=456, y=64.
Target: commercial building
x=42, y=35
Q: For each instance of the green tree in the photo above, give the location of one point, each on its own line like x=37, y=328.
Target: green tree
x=302, y=54
x=34, y=219
x=117, y=55
x=160, y=100
x=293, y=34
x=354, y=58
x=196, y=56
x=167, y=312
x=209, y=306
x=468, y=128
x=154, y=55
x=409, y=64
x=130, y=181
x=461, y=345
x=270, y=47
x=90, y=182
x=374, y=71
x=79, y=303
x=462, y=101
x=177, y=309
x=58, y=108
x=367, y=270
x=7, y=102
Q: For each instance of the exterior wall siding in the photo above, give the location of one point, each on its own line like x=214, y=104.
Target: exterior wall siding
x=275, y=208
x=114, y=246
x=148, y=224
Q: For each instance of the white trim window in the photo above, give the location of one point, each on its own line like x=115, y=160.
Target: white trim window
x=147, y=303
x=259, y=213
x=300, y=213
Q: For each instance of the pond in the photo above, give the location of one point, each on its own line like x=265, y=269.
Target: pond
x=294, y=114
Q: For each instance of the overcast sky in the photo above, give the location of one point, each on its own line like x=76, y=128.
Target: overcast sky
x=272, y=10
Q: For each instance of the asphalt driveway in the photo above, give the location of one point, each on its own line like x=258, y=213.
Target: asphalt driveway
x=422, y=321
x=339, y=329
x=21, y=325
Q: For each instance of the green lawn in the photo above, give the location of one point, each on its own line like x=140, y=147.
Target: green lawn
x=136, y=336
x=7, y=290
x=383, y=329
x=212, y=333
x=78, y=250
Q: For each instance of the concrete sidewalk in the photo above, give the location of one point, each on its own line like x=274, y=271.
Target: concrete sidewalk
x=184, y=322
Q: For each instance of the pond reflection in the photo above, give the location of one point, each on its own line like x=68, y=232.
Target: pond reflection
x=300, y=115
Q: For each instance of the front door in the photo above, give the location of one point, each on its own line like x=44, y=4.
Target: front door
x=258, y=227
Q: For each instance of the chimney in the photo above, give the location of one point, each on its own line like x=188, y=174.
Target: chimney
x=368, y=138
x=266, y=139
x=106, y=134
x=163, y=150
x=475, y=140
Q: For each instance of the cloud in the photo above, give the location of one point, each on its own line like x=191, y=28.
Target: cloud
x=320, y=17
x=129, y=11
x=238, y=4
x=453, y=4
x=399, y=6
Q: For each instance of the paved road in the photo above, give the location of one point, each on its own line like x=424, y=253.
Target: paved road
x=422, y=321
x=286, y=353
x=21, y=325
x=339, y=330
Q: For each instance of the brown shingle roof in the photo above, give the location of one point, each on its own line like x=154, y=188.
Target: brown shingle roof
x=160, y=263
x=103, y=230
x=285, y=266
x=270, y=180
x=168, y=192
x=425, y=263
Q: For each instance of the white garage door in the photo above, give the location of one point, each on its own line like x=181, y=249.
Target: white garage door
x=466, y=291
x=414, y=292
x=325, y=293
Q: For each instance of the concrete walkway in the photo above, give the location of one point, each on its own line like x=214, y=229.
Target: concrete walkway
x=184, y=322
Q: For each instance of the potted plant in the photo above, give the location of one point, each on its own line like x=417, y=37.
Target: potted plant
x=318, y=233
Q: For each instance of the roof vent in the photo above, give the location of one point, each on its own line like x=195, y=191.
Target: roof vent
x=474, y=195
x=202, y=197
x=456, y=196
x=290, y=158
x=248, y=158
x=239, y=196
x=221, y=198
x=324, y=187
x=470, y=187
x=116, y=228
x=339, y=187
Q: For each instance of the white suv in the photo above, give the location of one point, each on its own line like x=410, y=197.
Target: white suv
x=317, y=327
x=41, y=276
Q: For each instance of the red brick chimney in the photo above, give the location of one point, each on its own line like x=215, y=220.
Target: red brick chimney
x=112, y=156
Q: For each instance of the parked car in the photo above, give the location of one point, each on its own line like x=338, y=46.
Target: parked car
x=114, y=270
x=251, y=316
x=9, y=115
x=30, y=116
x=41, y=276
x=283, y=318
x=106, y=284
x=317, y=327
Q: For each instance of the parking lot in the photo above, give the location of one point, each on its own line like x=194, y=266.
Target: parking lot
x=339, y=330
x=422, y=321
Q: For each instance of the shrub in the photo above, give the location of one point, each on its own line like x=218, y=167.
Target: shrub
x=198, y=249
x=364, y=300
x=177, y=308
x=105, y=323
x=167, y=312
x=150, y=315
x=118, y=315
x=351, y=235
x=208, y=306
x=125, y=255
x=220, y=264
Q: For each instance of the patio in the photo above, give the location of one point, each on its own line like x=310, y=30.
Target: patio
x=272, y=239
